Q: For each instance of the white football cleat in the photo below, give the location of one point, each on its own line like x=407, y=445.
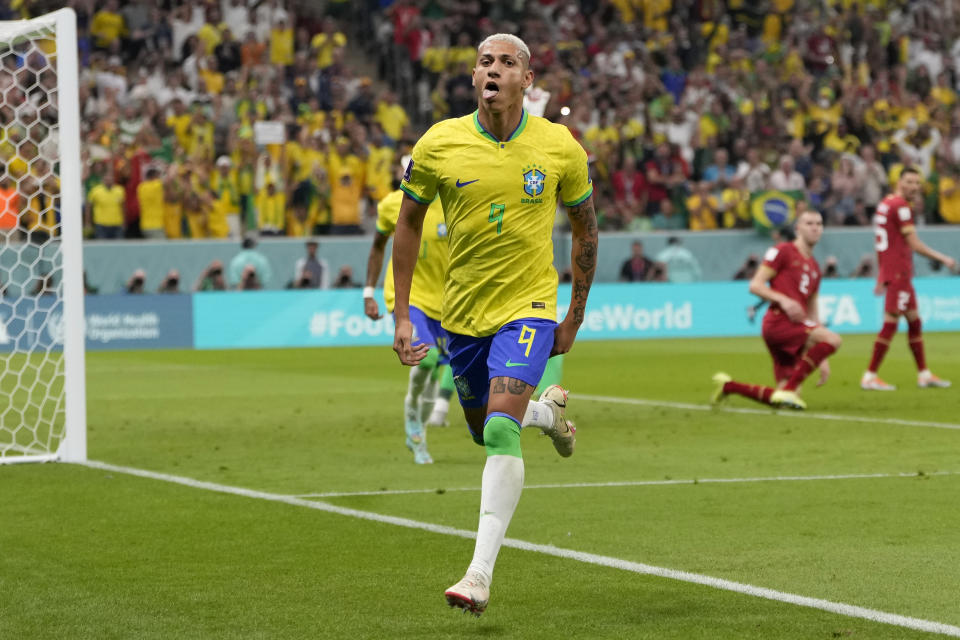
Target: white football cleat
x=437, y=419
x=871, y=382
x=418, y=445
x=470, y=594
x=926, y=380
x=417, y=441
x=720, y=379
x=782, y=398
x=561, y=431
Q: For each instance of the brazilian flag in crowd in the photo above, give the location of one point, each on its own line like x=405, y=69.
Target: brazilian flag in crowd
x=773, y=209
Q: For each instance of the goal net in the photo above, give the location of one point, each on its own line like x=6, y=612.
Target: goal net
x=42, y=403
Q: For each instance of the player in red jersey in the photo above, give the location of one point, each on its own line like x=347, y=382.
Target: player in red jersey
x=896, y=241
x=789, y=279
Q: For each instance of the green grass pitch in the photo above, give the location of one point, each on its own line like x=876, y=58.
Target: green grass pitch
x=95, y=553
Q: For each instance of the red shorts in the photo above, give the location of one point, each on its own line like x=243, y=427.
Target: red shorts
x=785, y=340
x=900, y=297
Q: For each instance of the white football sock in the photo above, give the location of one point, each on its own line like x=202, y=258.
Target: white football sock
x=427, y=398
x=440, y=409
x=500, y=491
x=538, y=414
x=418, y=377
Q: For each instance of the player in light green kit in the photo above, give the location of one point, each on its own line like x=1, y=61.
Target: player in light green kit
x=425, y=300
x=499, y=173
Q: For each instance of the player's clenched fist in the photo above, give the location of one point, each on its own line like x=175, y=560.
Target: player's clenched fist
x=563, y=338
x=371, y=309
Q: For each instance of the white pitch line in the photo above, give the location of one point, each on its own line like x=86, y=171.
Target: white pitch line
x=765, y=412
x=632, y=483
x=849, y=610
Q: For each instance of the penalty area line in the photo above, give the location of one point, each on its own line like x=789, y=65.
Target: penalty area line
x=839, y=608
x=643, y=402
x=634, y=483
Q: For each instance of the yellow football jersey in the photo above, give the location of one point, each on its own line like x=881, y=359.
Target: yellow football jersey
x=150, y=197
x=426, y=290
x=499, y=201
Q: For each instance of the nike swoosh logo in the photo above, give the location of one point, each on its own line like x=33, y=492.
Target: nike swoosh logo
x=517, y=364
x=463, y=184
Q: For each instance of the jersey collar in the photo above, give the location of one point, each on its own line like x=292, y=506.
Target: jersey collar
x=489, y=136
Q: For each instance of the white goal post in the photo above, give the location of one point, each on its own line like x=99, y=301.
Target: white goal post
x=42, y=329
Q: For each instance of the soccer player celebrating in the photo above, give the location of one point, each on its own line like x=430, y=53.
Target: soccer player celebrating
x=424, y=311
x=789, y=279
x=896, y=240
x=499, y=173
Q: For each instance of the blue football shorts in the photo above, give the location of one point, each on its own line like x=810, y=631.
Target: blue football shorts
x=428, y=331
x=519, y=350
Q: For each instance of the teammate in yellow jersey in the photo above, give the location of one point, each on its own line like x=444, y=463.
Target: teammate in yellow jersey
x=499, y=173
x=425, y=305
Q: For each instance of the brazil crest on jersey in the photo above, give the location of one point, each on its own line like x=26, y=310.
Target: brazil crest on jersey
x=499, y=200
x=426, y=289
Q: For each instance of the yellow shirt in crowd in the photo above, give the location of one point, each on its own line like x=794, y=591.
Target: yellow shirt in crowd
x=107, y=204
x=345, y=193
x=655, y=14
x=271, y=209
x=181, y=128
x=950, y=205
x=40, y=215
x=380, y=171
x=325, y=45
x=392, y=118
x=702, y=220
x=944, y=95
x=150, y=197
x=106, y=27
x=209, y=35
x=213, y=80
x=281, y=46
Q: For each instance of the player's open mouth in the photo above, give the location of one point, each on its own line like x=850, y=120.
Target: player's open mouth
x=490, y=90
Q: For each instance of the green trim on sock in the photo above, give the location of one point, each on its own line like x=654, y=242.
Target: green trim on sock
x=552, y=374
x=501, y=436
x=430, y=361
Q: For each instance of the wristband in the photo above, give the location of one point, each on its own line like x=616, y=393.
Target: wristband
x=368, y=292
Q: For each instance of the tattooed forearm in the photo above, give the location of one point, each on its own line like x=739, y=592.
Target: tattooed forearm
x=580, y=291
x=587, y=259
x=584, y=215
x=583, y=223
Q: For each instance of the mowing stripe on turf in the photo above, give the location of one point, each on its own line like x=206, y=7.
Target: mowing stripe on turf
x=634, y=483
x=840, y=608
x=764, y=412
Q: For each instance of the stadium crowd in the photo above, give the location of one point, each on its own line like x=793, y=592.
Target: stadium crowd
x=210, y=119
